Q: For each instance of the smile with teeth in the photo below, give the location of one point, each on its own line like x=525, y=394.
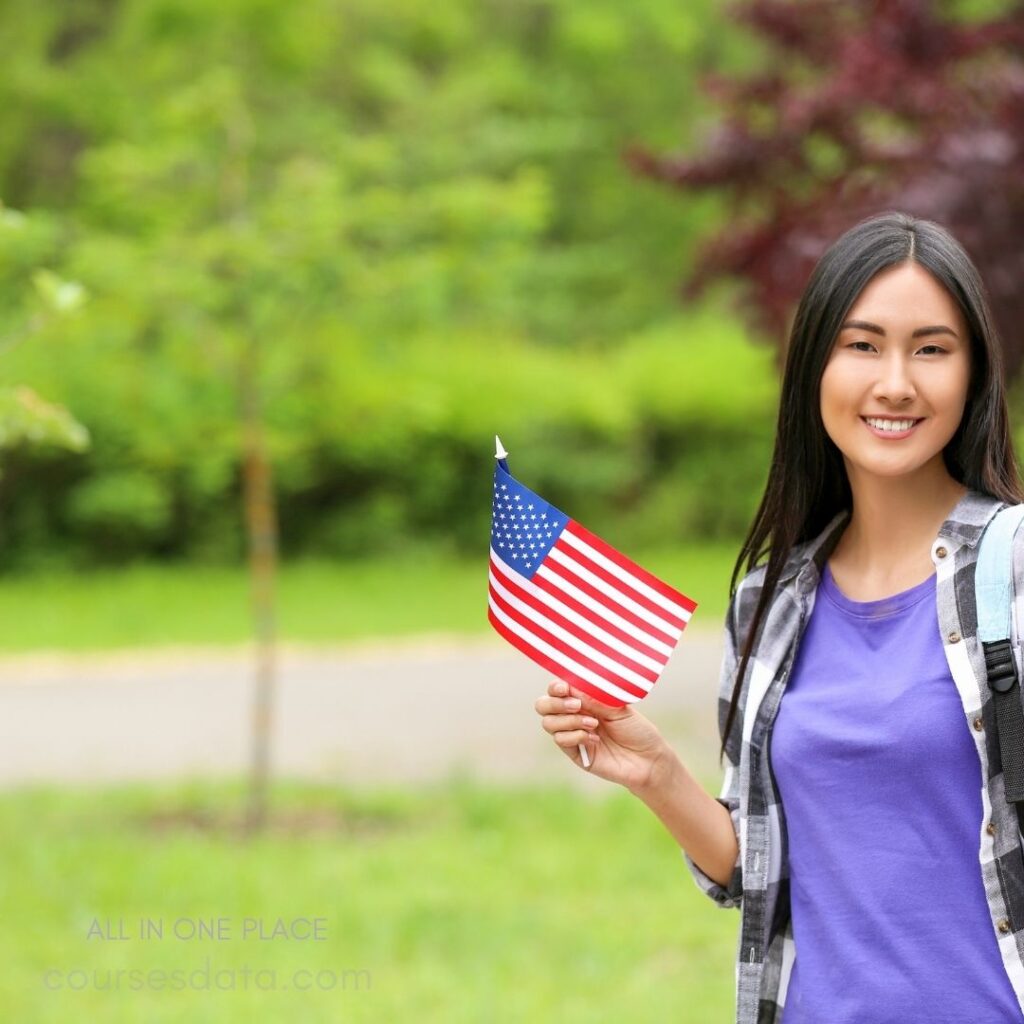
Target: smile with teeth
x=895, y=428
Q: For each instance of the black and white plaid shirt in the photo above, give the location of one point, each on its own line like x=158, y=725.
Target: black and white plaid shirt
x=759, y=885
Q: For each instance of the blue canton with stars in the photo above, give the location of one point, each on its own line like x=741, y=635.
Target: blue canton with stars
x=524, y=527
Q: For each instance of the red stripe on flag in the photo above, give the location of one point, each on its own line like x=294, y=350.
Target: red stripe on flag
x=552, y=666
x=606, y=602
x=623, y=562
x=571, y=627
x=575, y=653
x=619, y=585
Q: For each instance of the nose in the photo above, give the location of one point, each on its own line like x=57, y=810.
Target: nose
x=895, y=383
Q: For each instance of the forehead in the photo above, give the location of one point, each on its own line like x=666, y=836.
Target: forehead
x=906, y=295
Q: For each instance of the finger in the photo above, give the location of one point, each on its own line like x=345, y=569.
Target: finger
x=574, y=738
x=560, y=723
x=560, y=688
x=590, y=706
x=545, y=705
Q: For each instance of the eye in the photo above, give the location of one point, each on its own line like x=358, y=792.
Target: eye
x=853, y=344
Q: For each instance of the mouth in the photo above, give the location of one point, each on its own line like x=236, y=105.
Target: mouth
x=892, y=435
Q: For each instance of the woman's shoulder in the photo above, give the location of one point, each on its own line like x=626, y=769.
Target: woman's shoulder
x=750, y=585
x=1017, y=559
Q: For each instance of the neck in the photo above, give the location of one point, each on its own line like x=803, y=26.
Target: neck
x=895, y=519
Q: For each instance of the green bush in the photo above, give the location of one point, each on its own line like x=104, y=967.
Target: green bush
x=663, y=437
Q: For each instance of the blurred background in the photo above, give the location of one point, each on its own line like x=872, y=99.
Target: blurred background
x=273, y=276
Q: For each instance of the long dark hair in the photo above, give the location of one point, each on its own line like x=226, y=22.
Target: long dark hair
x=807, y=483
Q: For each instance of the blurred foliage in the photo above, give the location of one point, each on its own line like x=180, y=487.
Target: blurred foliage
x=27, y=418
x=34, y=296
x=420, y=215
x=860, y=108
x=653, y=441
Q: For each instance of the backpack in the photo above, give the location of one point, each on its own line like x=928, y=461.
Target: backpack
x=993, y=592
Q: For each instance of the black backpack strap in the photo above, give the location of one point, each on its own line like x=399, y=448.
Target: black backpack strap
x=993, y=588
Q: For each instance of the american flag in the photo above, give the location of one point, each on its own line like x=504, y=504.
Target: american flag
x=572, y=603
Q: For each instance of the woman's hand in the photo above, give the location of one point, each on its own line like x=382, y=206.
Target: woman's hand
x=623, y=746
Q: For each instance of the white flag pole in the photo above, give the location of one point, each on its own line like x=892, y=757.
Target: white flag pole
x=500, y=454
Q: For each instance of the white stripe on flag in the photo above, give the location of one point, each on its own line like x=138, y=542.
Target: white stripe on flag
x=573, y=641
x=566, y=559
x=576, y=618
x=602, y=610
x=556, y=655
x=626, y=576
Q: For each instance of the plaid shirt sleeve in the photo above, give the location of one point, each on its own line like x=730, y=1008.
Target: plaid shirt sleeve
x=729, y=796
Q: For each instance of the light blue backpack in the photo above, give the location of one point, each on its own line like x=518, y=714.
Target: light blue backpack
x=993, y=591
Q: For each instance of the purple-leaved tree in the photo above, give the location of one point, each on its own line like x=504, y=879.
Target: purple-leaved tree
x=867, y=105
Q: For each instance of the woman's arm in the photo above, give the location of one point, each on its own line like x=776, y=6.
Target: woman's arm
x=698, y=822
x=707, y=828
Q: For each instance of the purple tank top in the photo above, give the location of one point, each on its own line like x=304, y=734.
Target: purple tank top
x=881, y=791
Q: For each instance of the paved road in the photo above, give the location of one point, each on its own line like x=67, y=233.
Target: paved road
x=397, y=712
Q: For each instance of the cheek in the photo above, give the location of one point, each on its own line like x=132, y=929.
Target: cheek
x=837, y=389
x=962, y=379
x=950, y=392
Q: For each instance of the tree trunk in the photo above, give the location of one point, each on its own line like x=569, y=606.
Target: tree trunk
x=261, y=523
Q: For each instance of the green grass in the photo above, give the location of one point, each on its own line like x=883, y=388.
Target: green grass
x=318, y=602
x=464, y=904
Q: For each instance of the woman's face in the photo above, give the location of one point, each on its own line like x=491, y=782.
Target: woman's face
x=879, y=368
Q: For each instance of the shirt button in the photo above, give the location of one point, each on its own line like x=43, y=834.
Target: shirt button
x=954, y=637
x=979, y=724
x=940, y=552
x=990, y=828
x=1003, y=925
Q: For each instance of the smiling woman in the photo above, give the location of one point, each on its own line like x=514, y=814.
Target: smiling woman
x=854, y=707
x=853, y=699
x=893, y=452
x=891, y=403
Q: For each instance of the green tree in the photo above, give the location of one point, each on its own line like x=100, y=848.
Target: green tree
x=34, y=297
x=361, y=186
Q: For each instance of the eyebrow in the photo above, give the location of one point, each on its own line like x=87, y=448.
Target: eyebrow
x=921, y=332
